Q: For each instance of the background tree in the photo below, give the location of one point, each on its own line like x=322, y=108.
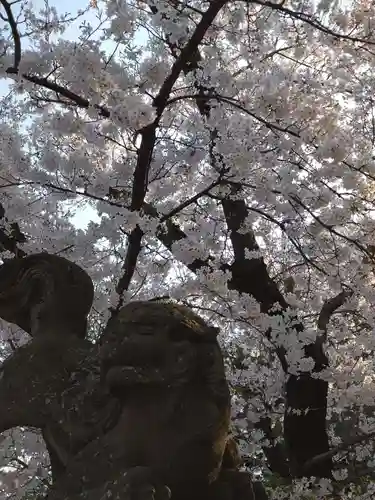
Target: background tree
x=220, y=153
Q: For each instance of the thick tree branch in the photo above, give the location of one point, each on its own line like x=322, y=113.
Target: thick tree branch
x=148, y=137
x=15, y=34
x=306, y=397
x=329, y=307
x=63, y=91
x=191, y=200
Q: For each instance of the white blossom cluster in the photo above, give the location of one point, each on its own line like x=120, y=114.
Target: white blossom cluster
x=291, y=131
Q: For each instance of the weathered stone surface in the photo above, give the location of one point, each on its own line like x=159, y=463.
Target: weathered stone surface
x=55, y=385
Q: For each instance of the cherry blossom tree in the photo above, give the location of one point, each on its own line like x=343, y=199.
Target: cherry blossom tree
x=220, y=153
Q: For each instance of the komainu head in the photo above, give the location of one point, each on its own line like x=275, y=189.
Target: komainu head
x=42, y=293
x=169, y=339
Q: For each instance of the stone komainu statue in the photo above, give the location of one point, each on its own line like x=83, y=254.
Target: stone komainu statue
x=53, y=382
x=161, y=388
x=45, y=293
x=169, y=357
x=164, y=364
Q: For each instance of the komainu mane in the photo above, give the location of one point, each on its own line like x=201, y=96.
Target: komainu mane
x=144, y=414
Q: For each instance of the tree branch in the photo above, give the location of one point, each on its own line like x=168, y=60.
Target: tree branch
x=329, y=307
x=148, y=137
x=342, y=447
x=311, y=20
x=15, y=35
